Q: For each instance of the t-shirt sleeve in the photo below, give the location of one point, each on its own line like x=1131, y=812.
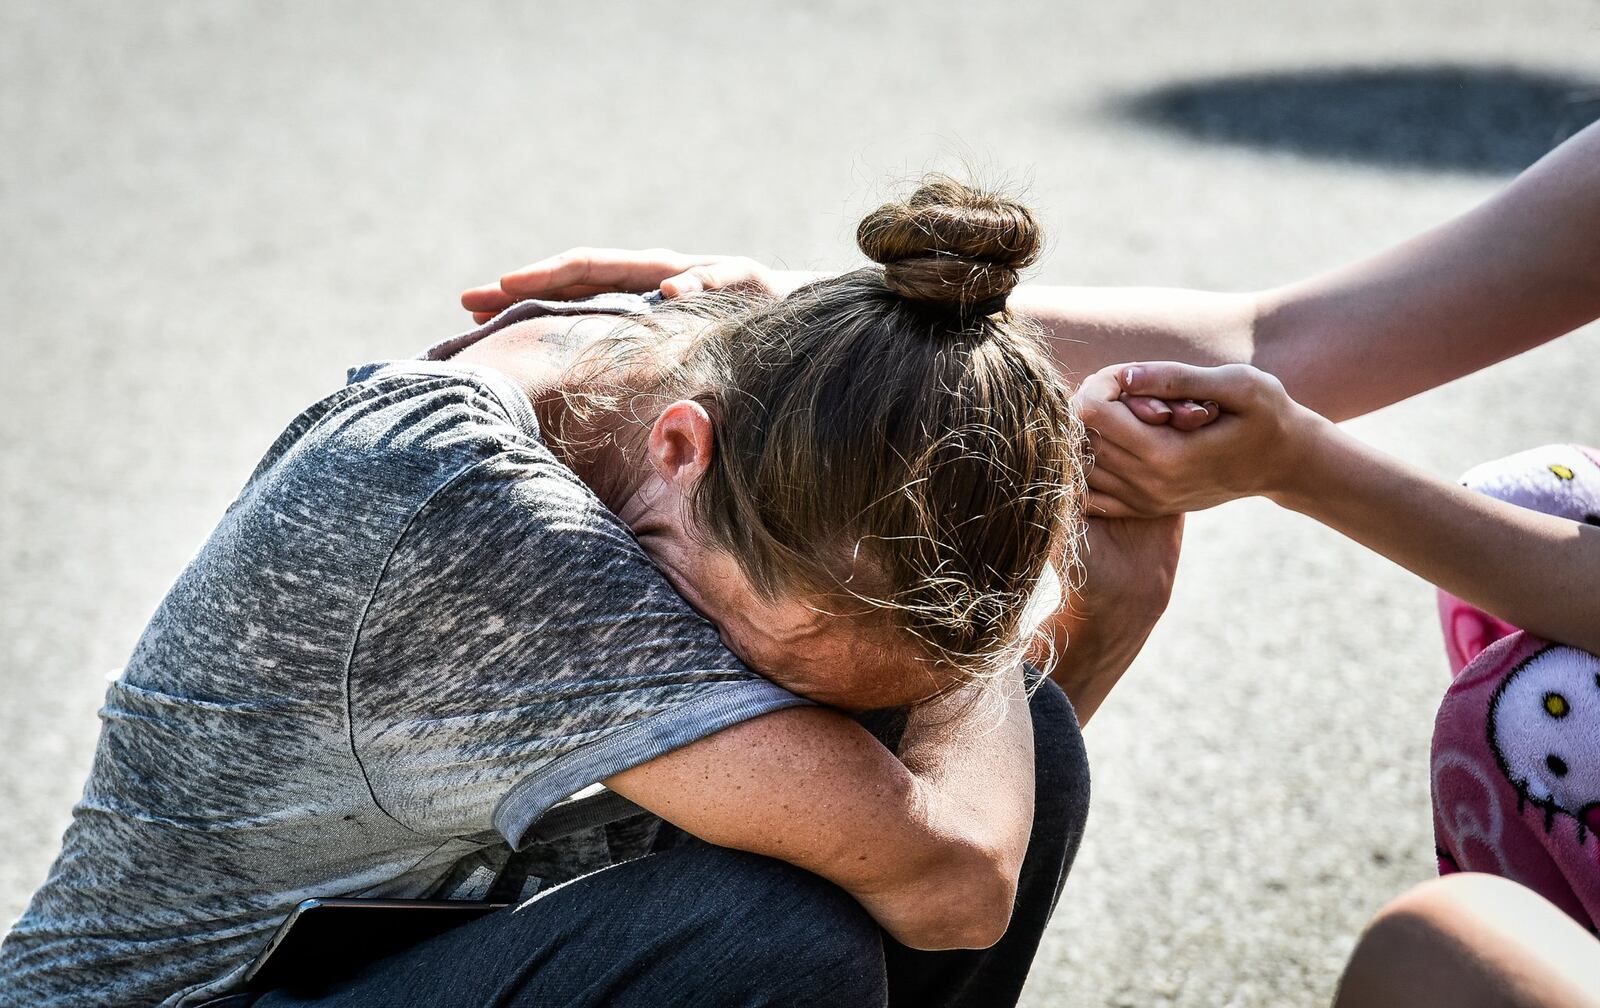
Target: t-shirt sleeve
x=520, y=647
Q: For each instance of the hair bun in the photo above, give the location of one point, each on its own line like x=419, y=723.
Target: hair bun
x=951, y=245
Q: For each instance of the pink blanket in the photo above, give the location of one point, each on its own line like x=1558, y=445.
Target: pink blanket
x=1516, y=745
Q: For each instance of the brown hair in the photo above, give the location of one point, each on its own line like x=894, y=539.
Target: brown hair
x=890, y=441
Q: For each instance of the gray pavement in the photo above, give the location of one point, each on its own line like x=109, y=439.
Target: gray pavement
x=210, y=209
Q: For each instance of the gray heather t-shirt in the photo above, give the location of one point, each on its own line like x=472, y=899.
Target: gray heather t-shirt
x=413, y=636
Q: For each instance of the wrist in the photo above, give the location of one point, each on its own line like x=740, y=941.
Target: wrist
x=1092, y=658
x=1312, y=446
x=1135, y=599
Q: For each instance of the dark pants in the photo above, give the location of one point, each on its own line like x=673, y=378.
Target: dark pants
x=695, y=924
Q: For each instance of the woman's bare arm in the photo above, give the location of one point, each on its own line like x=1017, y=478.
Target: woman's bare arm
x=1508, y=275
x=1514, y=272
x=930, y=843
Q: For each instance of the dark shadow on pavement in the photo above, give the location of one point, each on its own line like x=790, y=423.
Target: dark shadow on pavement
x=1454, y=118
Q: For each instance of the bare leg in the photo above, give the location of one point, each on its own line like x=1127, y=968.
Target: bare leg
x=1472, y=941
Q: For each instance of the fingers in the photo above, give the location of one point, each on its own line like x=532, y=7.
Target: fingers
x=1231, y=385
x=1101, y=387
x=1115, y=465
x=584, y=272
x=1152, y=411
x=597, y=269
x=1189, y=415
x=1111, y=496
x=1099, y=505
x=1115, y=421
x=1184, y=415
x=487, y=300
x=733, y=271
x=1112, y=476
x=579, y=273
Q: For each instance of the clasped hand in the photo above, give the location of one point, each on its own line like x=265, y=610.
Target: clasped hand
x=1252, y=440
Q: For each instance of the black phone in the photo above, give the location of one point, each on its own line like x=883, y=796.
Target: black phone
x=323, y=940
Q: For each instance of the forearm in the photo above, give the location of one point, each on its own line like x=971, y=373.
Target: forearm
x=970, y=757
x=1088, y=328
x=1532, y=570
x=973, y=753
x=931, y=849
x=1508, y=275
x=1093, y=654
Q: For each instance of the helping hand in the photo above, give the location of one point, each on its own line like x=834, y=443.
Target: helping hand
x=584, y=272
x=1144, y=470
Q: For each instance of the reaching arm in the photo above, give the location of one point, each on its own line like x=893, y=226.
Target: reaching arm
x=1535, y=571
x=931, y=843
x=1508, y=275
x=1513, y=273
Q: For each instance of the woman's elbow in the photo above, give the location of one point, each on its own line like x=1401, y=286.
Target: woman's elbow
x=965, y=904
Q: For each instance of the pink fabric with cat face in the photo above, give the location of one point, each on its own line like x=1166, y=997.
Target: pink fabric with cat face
x=1516, y=743
x=1516, y=771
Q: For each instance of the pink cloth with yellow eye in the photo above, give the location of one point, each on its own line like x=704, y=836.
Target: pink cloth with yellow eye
x=1516, y=743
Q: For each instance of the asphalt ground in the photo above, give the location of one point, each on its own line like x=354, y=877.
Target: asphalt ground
x=209, y=210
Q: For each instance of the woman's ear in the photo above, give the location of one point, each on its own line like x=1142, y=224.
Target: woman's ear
x=682, y=442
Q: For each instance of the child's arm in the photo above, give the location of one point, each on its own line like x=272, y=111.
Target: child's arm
x=1536, y=571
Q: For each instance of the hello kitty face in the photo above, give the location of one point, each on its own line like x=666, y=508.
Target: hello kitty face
x=1544, y=723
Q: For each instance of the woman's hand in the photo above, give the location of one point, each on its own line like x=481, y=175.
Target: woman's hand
x=584, y=272
x=1143, y=470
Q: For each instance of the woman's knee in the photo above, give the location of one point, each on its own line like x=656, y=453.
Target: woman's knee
x=790, y=936
x=1061, y=766
x=695, y=924
x=794, y=906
